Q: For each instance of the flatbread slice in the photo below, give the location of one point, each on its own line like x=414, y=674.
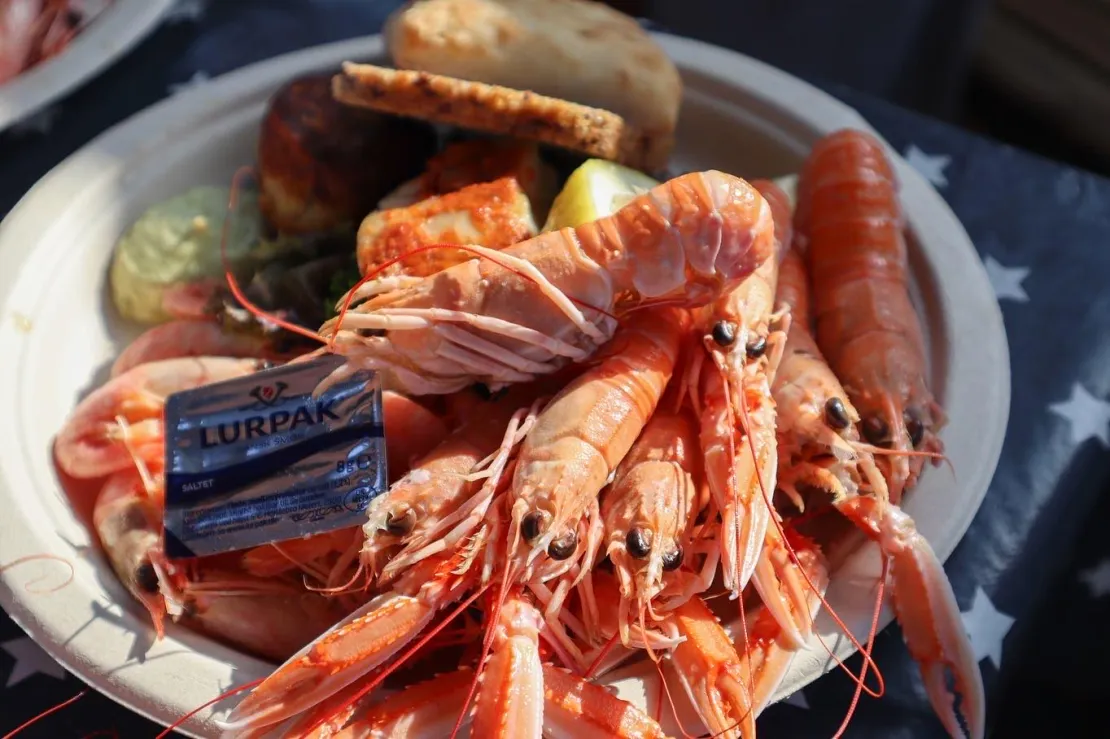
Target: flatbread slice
x=585, y=52
x=501, y=110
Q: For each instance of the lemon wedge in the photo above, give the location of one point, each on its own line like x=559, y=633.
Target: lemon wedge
x=596, y=189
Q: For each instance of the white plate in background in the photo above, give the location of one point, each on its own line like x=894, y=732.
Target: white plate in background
x=58, y=331
x=108, y=36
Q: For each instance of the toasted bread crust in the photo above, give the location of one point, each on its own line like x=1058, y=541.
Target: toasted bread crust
x=501, y=110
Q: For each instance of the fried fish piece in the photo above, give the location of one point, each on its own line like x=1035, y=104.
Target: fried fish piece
x=491, y=214
x=468, y=162
x=501, y=110
x=323, y=165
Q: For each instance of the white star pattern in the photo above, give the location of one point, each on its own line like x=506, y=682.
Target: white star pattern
x=797, y=699
x=929, y=166
x=37, y=123
x=1097, y=579
x=1088, y=416
x=986, y=627
x=30, y=660
x=186, y=10
x=1006, y=281
x=198, y=79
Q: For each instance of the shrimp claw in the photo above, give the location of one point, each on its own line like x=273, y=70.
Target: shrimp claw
x=927, y=610
x=353, y=647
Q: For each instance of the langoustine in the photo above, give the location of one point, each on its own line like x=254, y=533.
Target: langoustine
x=822, y=449
x=122, y=419
x=270, y=617
x=739, y=419
x=649, y=512
x=851, y=223
x=510, y=316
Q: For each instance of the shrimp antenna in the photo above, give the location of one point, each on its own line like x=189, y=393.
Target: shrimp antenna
x=870, y=647
x=33, y=557
x=347, y=587
x=53, y=709
x=670, y=700
x=601, y=655
x=881, y=452
x=227, y=694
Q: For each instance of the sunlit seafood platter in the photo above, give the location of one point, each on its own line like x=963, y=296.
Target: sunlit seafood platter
x=515, y=373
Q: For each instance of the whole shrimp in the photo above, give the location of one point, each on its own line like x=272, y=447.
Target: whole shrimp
x=123, y=417
x=32, y=31
x=654, y=497
x=822, y=448
x=548, y=510
x=512, y=315
x=583, y=434
x=819, y=443
x=851, y=220
x=413, y=520
x=267, y=616
x=736, y=407
x=194, y=338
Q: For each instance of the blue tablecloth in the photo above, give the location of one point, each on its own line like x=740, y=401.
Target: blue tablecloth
x=1032, y=576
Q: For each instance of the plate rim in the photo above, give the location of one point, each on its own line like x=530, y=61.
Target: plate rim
x=705, y=59
x=106, y=39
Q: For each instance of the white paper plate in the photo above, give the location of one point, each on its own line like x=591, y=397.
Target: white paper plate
x=111, y=33
x=57, y=335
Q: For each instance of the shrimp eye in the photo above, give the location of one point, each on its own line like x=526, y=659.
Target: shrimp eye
x=724, y=333
x=563, y=546
x=147, y=578
x=400, y=522
x=638, y=542
x=532, y=526
x=836, y=415
x=672, y=560
x=876, y=431
x=915, y=427
x=756, y=348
